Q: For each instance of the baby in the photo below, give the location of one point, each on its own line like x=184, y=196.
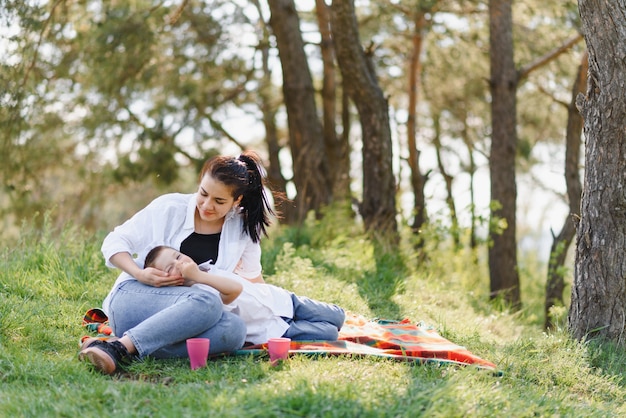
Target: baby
x=268, y=311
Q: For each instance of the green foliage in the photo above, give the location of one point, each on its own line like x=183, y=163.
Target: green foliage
x=112, y=91
x=50, y=277
x=497, y=224
x=123, y=90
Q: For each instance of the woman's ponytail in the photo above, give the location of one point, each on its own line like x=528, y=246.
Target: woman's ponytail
x=255, y=204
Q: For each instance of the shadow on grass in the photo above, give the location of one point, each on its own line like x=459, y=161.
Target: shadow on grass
x=610, y=358
x=378, y=287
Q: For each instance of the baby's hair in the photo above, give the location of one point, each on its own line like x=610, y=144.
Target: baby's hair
x=152, y=255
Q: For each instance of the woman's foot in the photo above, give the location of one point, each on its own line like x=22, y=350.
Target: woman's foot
x=106, y=356
x=90, y=340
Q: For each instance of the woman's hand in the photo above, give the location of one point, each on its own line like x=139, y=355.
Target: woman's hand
x=158, y=278
x=149, y=276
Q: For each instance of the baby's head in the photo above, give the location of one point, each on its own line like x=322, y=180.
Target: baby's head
x=153, y=256
x=164, y=258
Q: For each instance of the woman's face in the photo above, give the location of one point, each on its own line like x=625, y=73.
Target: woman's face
x=214, y=199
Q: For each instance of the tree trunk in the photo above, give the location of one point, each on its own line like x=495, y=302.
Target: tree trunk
x=558, y=252
x=415, y=70
x=471, y=170
x=337, y=148
x=311, y=172
x=346, y=126
x=504, y=277
x=378, y=207
x=448, y=179
x=598, y=306
x=268, y=108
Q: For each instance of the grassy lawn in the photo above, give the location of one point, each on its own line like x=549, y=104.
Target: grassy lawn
x=48, y=280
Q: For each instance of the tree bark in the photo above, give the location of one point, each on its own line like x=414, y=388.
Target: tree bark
x=268, y=108
x=378, y=207
x=555, y=283
x=337, y=147
x=504, y=277
x=311, y=172
x=471, y=170
x=598, y=306
x=448, y=180
x=415, y=69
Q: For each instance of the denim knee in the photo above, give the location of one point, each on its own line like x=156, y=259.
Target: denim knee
x=205, y=306
x=229, y=334
x=238, y=330
x=334, y=315
x=311, y=331
x=330, y=333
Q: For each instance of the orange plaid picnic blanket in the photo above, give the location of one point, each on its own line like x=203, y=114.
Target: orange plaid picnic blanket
x=399, y=340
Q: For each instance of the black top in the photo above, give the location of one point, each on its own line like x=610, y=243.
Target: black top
x=201, y=247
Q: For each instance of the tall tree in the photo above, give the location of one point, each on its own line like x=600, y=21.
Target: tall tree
x=378, y=207
x=457, y=94
x=420, y=24
x=555, y=284
x=420, y=15
x=268, y=104
x=448, y=179
x=337, y=146
x=311, y=172
x=504, y=277
x=598, y=307
x=504, y=82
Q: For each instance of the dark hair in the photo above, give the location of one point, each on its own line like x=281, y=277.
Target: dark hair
x=246, y=177
x=152, y=255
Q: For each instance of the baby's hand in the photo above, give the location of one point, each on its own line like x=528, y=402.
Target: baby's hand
x=187, y=268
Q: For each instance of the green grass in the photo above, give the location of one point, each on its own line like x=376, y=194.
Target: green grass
x=49, y=279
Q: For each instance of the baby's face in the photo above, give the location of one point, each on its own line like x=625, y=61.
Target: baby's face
x=168, y=260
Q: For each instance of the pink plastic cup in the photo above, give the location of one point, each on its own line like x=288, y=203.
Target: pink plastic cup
x=278, y=349
x=198, y=350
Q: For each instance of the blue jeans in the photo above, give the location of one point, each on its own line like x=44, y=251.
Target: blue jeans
x=313, y=320
x=159, y=320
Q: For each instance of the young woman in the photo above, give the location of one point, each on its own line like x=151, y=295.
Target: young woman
x=219, y=226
